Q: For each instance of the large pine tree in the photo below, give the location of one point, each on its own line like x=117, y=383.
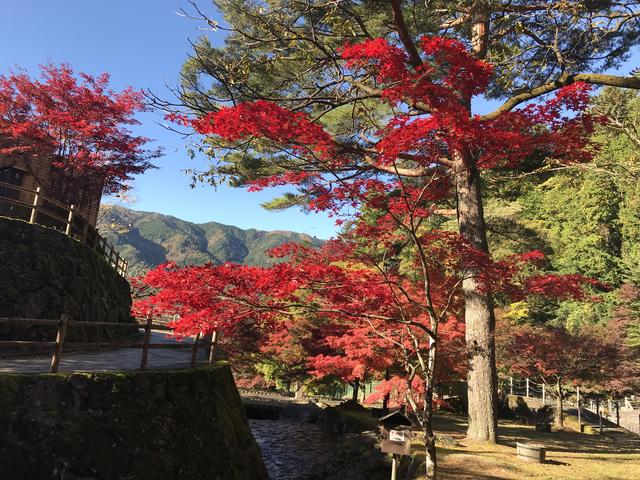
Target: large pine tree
x=288, y=52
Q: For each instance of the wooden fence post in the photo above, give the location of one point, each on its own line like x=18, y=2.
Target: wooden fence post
x=212, y=350
x=67, y=230
x=527, y=386
x=85, y=232
x=599, y=414
x=578, y=405
x=62, y=330
x=34, y=208
x=145, y=343
x=194, y=350
x=544, y=394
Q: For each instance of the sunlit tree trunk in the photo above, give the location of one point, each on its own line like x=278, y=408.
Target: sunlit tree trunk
x=429, y=437
x=479, y=314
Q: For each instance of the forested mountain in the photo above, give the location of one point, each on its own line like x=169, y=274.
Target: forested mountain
x=148, y=239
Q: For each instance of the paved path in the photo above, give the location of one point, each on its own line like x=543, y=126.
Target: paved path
x=110, y=360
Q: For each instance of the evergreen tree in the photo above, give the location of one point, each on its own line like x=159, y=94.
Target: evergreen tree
x=287, y=52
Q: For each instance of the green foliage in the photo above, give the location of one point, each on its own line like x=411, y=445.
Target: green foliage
x=585, y=218
x=578, y=215
x=573, y=315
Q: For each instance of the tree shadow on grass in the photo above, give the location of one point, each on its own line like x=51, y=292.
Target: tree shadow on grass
x=612, y=442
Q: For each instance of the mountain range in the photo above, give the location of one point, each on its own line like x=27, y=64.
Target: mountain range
x=147, y=239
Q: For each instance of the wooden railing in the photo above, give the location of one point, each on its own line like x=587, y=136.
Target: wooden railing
x=64, y=323
x=42, y=210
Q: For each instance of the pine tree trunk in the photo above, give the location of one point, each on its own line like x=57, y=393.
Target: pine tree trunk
x=479, y=315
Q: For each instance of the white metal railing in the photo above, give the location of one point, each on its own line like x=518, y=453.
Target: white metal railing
x=622, y=412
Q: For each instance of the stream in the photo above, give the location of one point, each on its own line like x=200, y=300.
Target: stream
x=295, y=449
x=291, y=449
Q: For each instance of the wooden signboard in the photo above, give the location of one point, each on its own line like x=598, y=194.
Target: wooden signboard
x=397, y=443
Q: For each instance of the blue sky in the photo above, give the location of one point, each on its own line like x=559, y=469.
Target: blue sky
x=141, y=43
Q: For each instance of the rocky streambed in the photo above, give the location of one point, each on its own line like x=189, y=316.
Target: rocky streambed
x=299, y=449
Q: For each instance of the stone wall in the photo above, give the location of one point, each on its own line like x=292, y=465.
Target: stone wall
x=186, y=424
x=42, y=272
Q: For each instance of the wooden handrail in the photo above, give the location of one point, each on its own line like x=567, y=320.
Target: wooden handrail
x=64, y=323
x=85, y=234
x=155, y=346
x=19, y=188
x=37, y=190
x=51, y=321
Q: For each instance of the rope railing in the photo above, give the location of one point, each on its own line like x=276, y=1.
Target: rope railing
x=48, y=212
x=64, y=323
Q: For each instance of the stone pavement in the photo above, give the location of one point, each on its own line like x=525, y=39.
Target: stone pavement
x=110, y=360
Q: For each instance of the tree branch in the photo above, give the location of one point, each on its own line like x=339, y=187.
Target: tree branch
x=562, y=81
x=403, y=32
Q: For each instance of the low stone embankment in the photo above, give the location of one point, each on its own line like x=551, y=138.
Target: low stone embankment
x=140, y=425
x=44, y=273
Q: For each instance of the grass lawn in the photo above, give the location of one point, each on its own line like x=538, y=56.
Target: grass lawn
x=570, y=455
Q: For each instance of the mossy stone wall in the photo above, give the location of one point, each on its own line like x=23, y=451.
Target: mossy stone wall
x=42, y=271
x=183, y=424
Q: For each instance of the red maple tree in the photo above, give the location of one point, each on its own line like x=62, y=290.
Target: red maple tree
x=394, y=271
x=374, y=313
x=557, y=357
x=81, y=124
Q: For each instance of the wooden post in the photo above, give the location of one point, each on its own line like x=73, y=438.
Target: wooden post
x=67, y=230
x=34, y=208
x=578, y=404
x=617, y=413
x=544, y=394
x=394, y=468
x=212, y=350
x=527, y=386
x=510, y=385
x=194, y=350
x=62, y=330
x=599, y=415
x=85, y=232
x=145, y=343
